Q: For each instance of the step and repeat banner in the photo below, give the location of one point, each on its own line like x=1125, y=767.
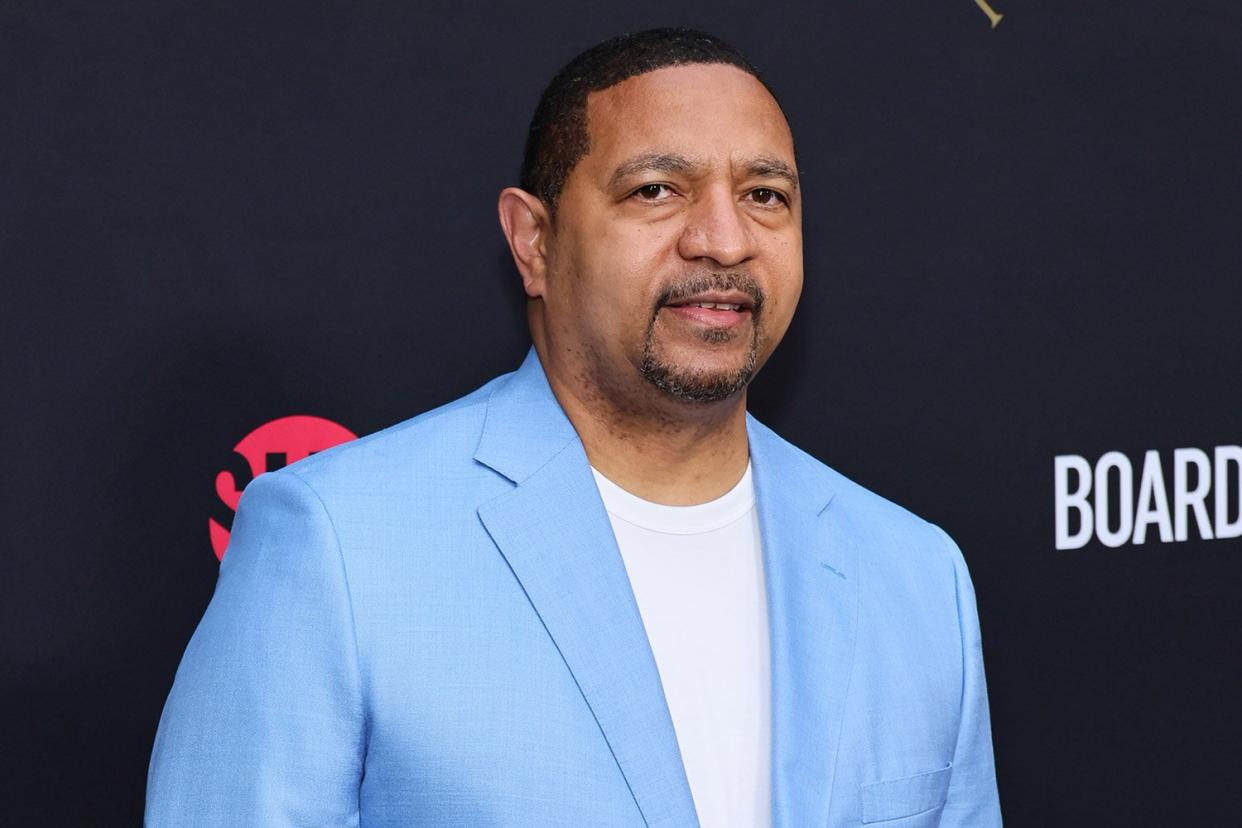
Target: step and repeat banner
x=231, y=238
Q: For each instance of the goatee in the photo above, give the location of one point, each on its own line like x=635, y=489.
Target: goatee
x=697, y=385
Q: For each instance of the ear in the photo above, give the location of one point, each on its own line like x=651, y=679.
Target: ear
x=526, y=223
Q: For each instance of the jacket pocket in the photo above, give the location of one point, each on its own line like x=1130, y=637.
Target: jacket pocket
x=905, y=797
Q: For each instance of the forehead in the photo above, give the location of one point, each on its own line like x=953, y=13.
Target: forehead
x=712, y=111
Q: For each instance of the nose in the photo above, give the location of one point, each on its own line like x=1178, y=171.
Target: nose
x=717, y=229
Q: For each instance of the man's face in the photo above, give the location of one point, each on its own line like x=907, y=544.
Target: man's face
x=676, y=261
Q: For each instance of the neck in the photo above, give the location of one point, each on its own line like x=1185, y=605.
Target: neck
x=661, y=449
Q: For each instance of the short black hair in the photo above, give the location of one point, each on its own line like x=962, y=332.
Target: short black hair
x=558, y=137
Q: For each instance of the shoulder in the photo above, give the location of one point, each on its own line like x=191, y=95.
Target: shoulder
x=450, y=431
x=908, y=568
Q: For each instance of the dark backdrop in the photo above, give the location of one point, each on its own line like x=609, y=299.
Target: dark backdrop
x=1021, y=242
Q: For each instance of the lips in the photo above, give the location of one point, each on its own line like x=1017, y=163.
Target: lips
x=733, y=300
x=714, y=307
x=710, y=306
x=715, y=310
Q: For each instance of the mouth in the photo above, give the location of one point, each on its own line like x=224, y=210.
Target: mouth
x=717, y=309
x=730, y=300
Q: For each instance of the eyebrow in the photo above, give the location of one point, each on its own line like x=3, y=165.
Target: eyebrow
x=654, y=162
x=767, y=167
x=762, y=167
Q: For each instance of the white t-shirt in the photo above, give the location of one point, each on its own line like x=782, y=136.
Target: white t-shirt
x=697, y=575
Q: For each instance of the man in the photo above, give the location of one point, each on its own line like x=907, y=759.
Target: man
x=595, y=592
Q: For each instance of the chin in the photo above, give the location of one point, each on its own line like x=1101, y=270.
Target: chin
x=700, y=378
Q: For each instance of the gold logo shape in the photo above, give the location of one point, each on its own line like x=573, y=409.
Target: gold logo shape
x=989, y=11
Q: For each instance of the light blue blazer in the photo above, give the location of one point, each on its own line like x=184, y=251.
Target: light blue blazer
x=433, y=626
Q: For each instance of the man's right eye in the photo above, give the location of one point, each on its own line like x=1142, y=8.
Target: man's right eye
x=650, y=192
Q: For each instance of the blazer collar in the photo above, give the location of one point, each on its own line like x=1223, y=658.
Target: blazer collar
x=525, y=425
x=555, y=534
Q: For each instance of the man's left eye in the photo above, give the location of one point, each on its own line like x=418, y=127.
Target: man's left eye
x=767, y=197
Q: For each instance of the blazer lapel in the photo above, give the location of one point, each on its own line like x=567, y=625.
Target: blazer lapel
x=810, y=566
x=555, y=534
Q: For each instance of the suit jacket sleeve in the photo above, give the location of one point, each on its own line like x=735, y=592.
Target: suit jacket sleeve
x=265, y=724
x=973, y=801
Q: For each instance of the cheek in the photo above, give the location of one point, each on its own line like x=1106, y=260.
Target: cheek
x=787, y=273
x=783, y=297
x=603, y=305
x=624, y=272
x=776, y=322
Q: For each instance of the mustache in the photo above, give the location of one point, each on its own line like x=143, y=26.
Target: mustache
x=685, y=288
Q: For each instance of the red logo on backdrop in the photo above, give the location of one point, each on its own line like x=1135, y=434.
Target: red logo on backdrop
x=269, y=447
